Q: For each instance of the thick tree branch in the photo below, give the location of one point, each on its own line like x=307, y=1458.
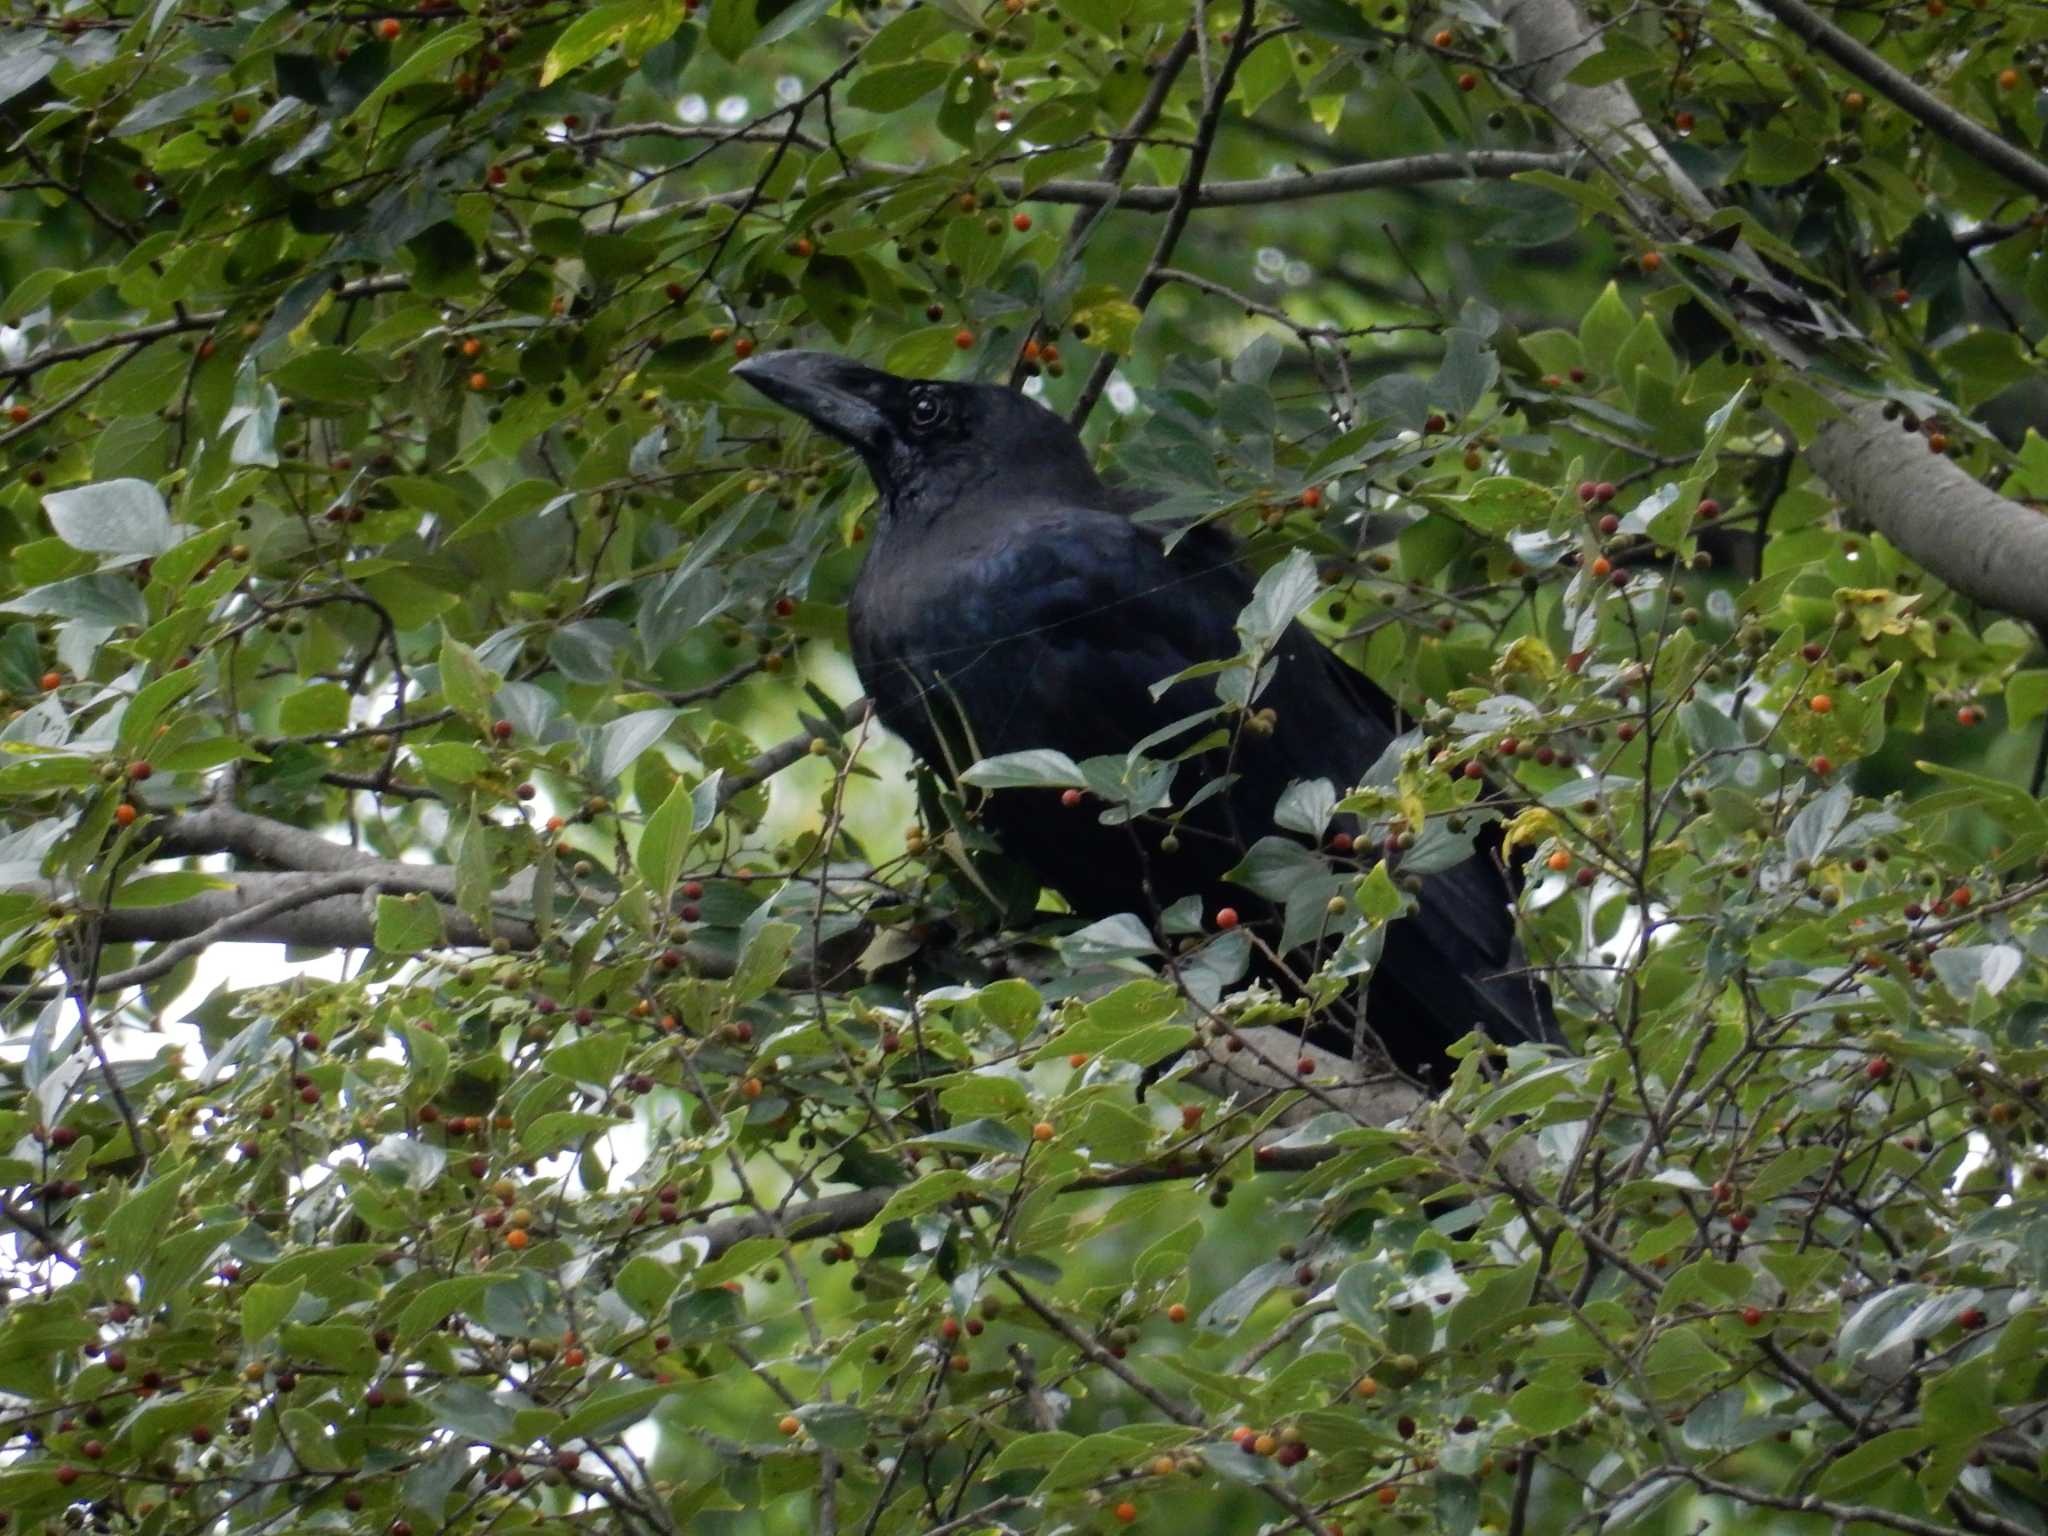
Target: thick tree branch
x=1988, y=548
x=1959, y=129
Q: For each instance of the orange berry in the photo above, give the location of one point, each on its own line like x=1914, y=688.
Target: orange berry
x=1078, y=1059
x=1821, y=704
x=52, y=680
x=518, y=1237
x=1444, y=39
x=790, y=1424
x=1127, y=1511
x=743, y=348
x=388, y=29
x=124, y=815
x=1312, y=497
x=1176, y=1313
x=1560, y=861
x=18, y=414
x=573, y=1358
x=1388, y=1495
x=1366, y=1387
x=751, y=1088
x=1651, y=260
x=1601, y=566
x=472, y=347
x=1042, y=1131
x=1468, y=81
x=1854, y=101
x=479, y=380
x=1021, y=222
x=2008, y=79
x=963, y=339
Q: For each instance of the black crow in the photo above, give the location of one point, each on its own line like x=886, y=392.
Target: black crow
x=1009, y=601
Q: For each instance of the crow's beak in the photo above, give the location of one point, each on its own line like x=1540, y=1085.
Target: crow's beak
x=834, y=394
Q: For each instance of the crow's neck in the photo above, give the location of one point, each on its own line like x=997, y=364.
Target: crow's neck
x=979, y=489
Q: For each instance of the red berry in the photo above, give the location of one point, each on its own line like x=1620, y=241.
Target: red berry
x=1960, y=898
x=1610, y=524
x=963, y=339
x=1226, y=918
x=1070, y=798
x=1306, y=1067
x=1021, y=222
x=1472, y=770
x=1878, y=1069
x=1971, y=1317
x=52, y=680
x=1821, y=766
x=1434, y=425
x=1604, y=492
x=1468, y=81
x=388, y=29
x=1751, y=1316
x=1709, y=509
x=1738, y=1222
x=502, y=729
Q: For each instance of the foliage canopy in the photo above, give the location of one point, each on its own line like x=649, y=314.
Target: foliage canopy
x=394, y=572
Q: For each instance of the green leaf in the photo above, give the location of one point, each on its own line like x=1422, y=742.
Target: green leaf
x=2026, y=697
x=408, y=925
x=593, y=1059
x=460, y=762
x=893, y=88
x=328, y=373
x=430, y=59
x=164, y=889
x=763, y=961
x=665, y=842
x=1039, y=768
x=443, y=1298
x=115, y=517
x=465, y=683
x=318, y=710
x=1873, y=1461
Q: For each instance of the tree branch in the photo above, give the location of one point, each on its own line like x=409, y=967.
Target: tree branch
x=1959, y=129
x=1241, y=44
x=1988, y=548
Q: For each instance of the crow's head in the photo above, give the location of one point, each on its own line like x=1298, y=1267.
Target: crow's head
x=931, y=445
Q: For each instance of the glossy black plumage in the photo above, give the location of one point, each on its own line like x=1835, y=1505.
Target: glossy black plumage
x=1009, y=601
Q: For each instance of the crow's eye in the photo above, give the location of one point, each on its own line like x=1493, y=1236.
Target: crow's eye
x=927, y=410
